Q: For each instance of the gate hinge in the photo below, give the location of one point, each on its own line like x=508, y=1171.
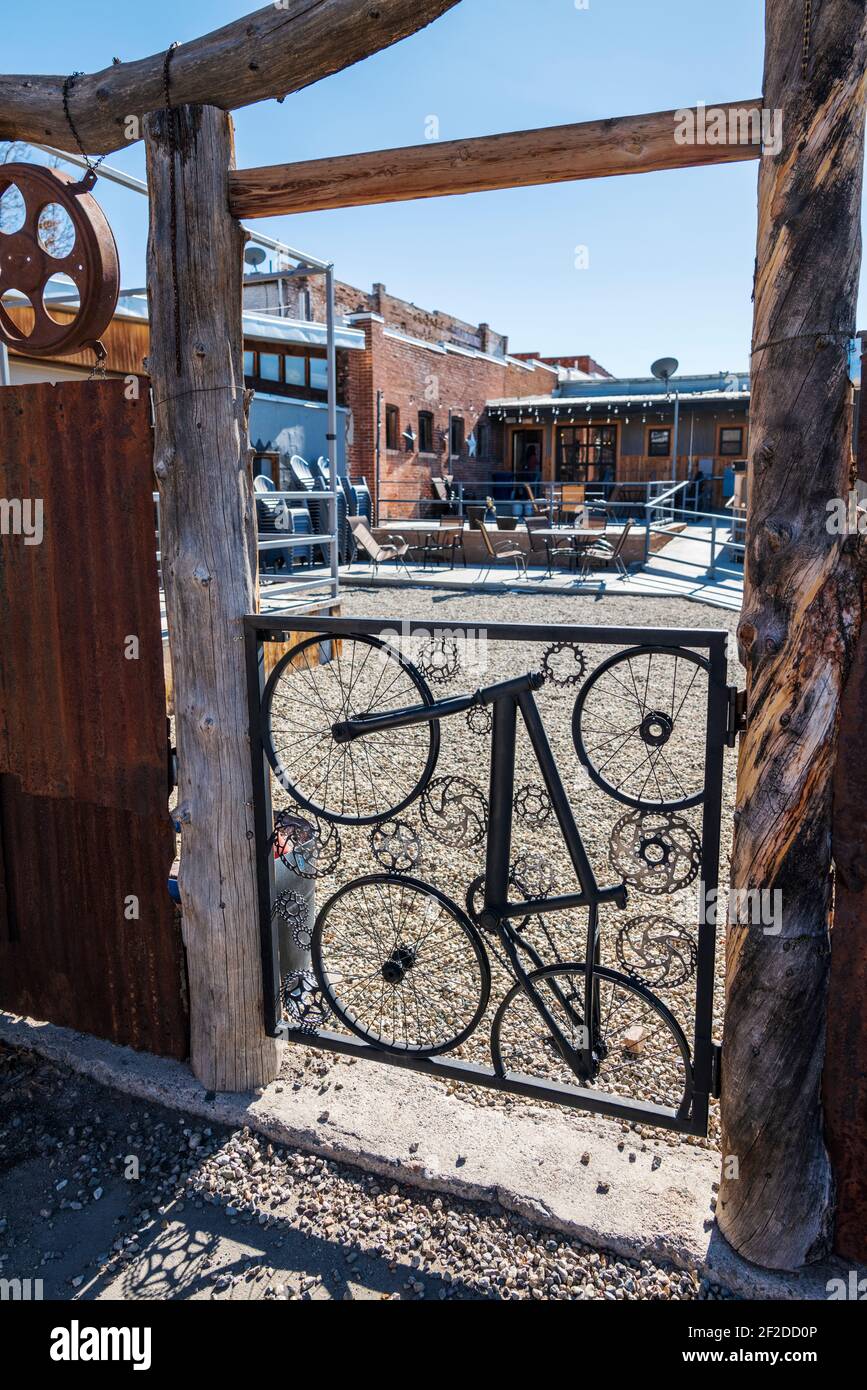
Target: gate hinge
x=716, y=1070
x=737, y=715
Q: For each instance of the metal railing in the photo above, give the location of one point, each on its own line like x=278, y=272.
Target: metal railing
x=399, y=501
x=663, y=514
x=657, y=505
x=299, y=592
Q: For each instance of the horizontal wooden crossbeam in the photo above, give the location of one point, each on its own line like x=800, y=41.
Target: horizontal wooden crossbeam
x=279, y=49
x=554, y=154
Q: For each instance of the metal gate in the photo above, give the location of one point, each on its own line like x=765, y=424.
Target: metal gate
x=492, y=854
x=89, y=938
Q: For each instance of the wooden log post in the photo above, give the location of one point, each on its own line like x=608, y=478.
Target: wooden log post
x=210, y=573
x=801, y=617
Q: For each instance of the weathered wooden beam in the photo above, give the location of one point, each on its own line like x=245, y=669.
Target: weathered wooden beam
x=277, y=50
x=209, y=562
x=554, y=154
x=801, y=616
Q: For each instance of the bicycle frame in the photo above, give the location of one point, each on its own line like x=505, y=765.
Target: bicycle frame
x=688, y=1114
x=508, y=698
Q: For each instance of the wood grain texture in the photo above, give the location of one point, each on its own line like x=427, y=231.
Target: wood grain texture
x=210, y=574
x=801, y=616
x=555, y=154
x=277, y=50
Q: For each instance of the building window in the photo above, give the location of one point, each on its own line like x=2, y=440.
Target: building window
x=269, y=366
x=318, y=374
x=731, y=441
x=486, y=448
x=659, y=443
x=457, y=439
x=586, y=453
x=296, y=371
x=425, y=432
x=267, y=465
x=392, y=427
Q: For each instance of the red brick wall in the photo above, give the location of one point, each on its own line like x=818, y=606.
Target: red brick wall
x=414, y=378
x=433, y=326
x=581, y=363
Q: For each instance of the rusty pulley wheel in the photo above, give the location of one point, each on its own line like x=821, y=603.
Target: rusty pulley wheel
x=30, y=256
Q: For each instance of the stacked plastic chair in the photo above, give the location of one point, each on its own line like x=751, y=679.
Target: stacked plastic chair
x=301, y=525
x=321, y=471
x=273, y=519
x=305, y=479
x=364, y=500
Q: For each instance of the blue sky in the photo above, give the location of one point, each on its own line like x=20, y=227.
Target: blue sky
x=670, y=255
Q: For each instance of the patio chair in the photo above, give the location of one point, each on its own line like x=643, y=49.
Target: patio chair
x=502, y=550
x=395, y=548
x=537, y=507
x=442, y=504
x=599, y=556
x=572, y=499
x=447, y=542
x=554, y=549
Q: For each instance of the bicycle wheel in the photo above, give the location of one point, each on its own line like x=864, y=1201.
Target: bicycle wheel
x=639, y=727
x=400, y=965
x=640, y=1049
x=323, y=682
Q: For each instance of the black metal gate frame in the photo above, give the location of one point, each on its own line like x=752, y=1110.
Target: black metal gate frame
x=721, y=731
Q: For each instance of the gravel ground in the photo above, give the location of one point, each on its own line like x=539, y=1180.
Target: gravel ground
x=658, y=943
x=106, y=1197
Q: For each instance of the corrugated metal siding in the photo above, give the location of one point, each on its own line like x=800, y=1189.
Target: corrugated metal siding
x=83, y=793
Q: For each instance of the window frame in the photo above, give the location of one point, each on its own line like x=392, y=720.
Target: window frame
x=587, y=470
x=392, y=428
x=303, y=389
x=426, y=424
x=652, y=453
x=731, y=453
x=457, y=423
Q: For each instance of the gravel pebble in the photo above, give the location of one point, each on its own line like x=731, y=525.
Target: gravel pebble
x=438, y=1247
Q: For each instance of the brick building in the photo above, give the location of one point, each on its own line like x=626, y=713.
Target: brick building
x=417, y=395
x=429, y=394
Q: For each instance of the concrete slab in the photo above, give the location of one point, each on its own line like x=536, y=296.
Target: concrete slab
x=634, y=1199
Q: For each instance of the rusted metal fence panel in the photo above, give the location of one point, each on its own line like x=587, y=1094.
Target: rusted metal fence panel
x=89, y=937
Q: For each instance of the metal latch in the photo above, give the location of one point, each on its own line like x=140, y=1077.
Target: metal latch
x=716, y=1070
x=737, y=715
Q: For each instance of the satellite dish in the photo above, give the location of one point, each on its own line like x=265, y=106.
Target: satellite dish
x=255, y=255
x=665, y=368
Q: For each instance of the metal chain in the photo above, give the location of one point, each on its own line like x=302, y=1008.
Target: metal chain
x=171, y=125
x=93, y=168
x=98, y=371
x=805, y=52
